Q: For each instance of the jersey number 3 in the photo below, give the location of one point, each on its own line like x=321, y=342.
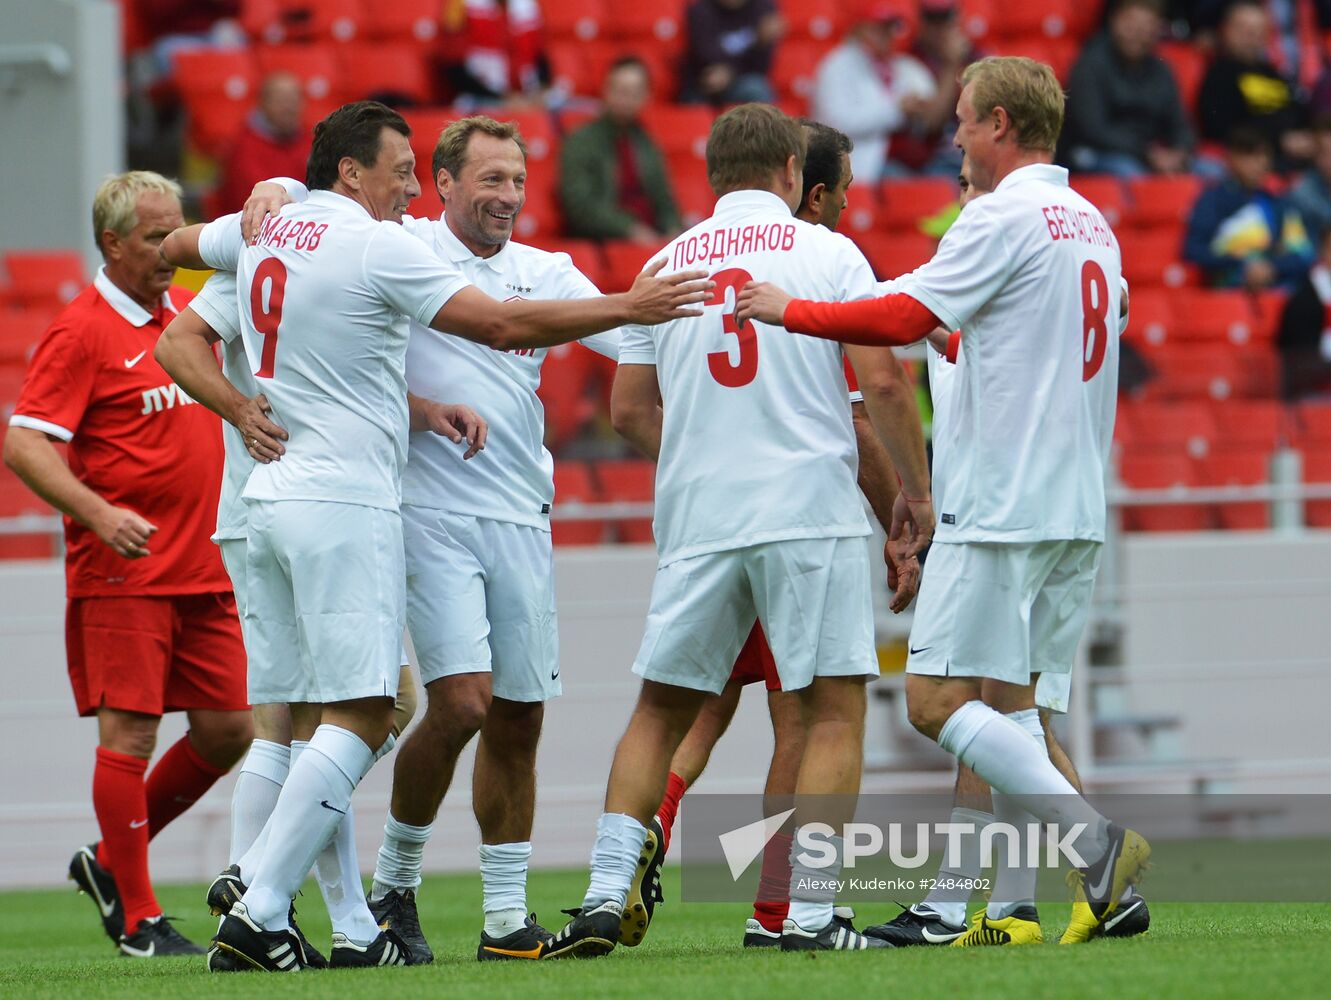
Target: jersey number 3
x=1094, y=319
x=733, y=374
x=267, y=320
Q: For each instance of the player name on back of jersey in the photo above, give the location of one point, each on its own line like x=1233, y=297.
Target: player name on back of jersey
x=281, y=232
x=722, y=244
x=1076, y=224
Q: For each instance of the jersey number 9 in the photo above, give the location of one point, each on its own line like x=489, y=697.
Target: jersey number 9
x=267, y=320
x=733, y=375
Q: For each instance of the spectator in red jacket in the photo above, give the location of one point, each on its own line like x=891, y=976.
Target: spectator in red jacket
x=273, y=143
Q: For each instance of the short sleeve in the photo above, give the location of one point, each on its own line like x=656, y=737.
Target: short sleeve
x=852, y=383
x=1123, y=319
x=972, y=264
x=636, y=346
x=216, y=305
x=59, y=384
x=220, y=243
x=573, y=284
x=408, y=275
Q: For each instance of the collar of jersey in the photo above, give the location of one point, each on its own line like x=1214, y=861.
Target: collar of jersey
x=457, y=252
x=742, y=201
x=1047, y=172
x=132, y=313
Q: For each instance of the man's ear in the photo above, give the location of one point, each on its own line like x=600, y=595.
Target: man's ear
x=348, y=171
x=814, y=201
x=1002, y=123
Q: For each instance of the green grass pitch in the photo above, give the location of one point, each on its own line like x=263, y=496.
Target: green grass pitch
x=51, y=945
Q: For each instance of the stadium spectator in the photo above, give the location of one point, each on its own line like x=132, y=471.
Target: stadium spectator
x=869, y=90
x=1311, y=193
x=728, y=51
x=1240, y=233
x=1242, y=87
x=150, y=622
x=273, y=142
x=944, y=48
x=502, y=57
x=1124, y=112
x=1305, y=331
x=612, y=178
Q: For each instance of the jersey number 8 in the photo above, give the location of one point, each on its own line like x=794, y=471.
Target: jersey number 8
x=745, y=370
x=267, y=320
x=1094, y=319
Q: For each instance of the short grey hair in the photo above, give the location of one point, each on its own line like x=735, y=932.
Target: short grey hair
x=116, y=204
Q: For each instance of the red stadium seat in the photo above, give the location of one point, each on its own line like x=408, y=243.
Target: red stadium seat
x=1188, y=64
x=538, y=131
x=1154, y=260
x=1238, y=467
x=816, y=20
x=795, y=68
x=659, y=24
x=680, y=128
x=572, y=70
x=1155, y=472
x=693, y=194
x=406, y=19
x=575, y=20
x=1171, y=428
x=631, y=481
x=1163, y=201
x=20, y=329
x=977, y=17
x=1150, y=318
x=315, y=65
x=903, y=203
x=895, y=254
x=1267, y=309
x=624, y=261
x=1250, y=424
x=277, y=21
x=218, y=88
x=1317, y=469
x=1314, y=423
x=540, y=217
x=566, y=392
x=1196, y=372
x=44, y=277
x=426, y=125
x=574, y=485
x=1104, y=192
x=1214, y=316
x=861, y=212
x=1048, y=18
x=585, y=254
x=383, y=69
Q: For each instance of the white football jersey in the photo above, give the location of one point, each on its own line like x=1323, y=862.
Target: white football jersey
x=216, y=306
x=513, y=478
x=326, y=295
x=1026, y=272
x=757, y=444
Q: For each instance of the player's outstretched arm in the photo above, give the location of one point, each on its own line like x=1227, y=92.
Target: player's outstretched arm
x=507, y=326
x=181, y=248
x=635, y=408
x=454, y=421
x=185, y=350
x=889, y=321
x=889, y=400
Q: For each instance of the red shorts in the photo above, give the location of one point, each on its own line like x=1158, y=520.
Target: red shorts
x=756, y=662
x=155, y=654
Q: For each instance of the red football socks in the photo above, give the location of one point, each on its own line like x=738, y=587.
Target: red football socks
x=121, y=804
x=675, y=788
x=773, y=901
x=177, y=781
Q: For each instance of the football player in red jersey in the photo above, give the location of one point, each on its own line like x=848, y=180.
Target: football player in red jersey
x=150, y=623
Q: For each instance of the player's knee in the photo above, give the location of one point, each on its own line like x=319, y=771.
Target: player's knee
x=927, y=712
x=456, y=711
x=514, y=727
x=223, y=738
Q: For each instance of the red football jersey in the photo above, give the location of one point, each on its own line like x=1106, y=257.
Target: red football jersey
x=134, y=438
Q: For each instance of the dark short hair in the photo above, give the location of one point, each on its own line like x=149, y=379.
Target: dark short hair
x=354, y=130
x=1246, y=139
x=822, y=157
x=1156, y=7
x=748, y=144
x=450, y=152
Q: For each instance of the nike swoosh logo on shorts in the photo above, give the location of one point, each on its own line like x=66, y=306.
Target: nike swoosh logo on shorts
x=922, y=649
x=131, y=362
x=324, y=803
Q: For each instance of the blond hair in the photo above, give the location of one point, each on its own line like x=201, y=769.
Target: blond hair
x=750, y=143
x=116, y=204
x=1027, y=90
x=450, y=152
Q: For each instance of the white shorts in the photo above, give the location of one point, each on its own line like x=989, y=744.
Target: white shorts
x=811, y=595
x=1001, y=610
x=1052, y=692
x=481, y=598
x=233, y=561
x=326, y=604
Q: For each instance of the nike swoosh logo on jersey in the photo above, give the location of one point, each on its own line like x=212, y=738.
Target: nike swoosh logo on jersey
x=137, y=824
x=340, y=812
x=131, y=362
x=106, y=908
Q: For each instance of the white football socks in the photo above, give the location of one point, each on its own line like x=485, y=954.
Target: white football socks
x=951, y=891
x=619, y=840
x=1000, y=751
x=400, y=856
x=257, y=786
x=314, y=800
x=1014, y=884
x=504, y=886
x=812, y=890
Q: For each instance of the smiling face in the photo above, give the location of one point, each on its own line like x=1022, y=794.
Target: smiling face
x=134, y=260
x=976, y=138
x=388, y=185
x=483, y=201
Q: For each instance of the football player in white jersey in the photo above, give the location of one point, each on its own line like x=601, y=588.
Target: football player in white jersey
x=1027, y=271
x=480, y=573
x=325, y=297
x=827, y=178
x=757, y=516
